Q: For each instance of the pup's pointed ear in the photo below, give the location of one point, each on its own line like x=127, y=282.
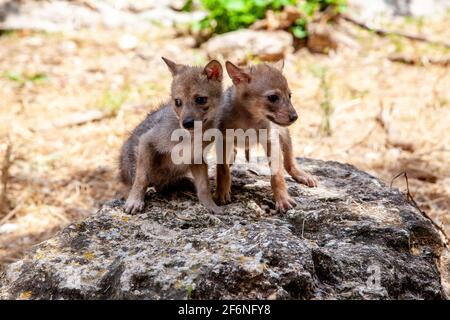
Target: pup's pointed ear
x=279, y=65
x=237, y=74
x=173, y=67
x=213, y=70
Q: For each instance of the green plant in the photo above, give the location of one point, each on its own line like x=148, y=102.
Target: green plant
x=8, y=32
x=398, y=43
x=113, y=100
x=419, y=22
x=325, y=104
x=309, y=9
x=188, y=5
x=189, y=290
x=23, y=79
x=228, y=15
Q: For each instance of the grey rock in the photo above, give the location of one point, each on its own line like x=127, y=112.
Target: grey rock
x=57, y=16
x=351, y=238
x=237, y=45
x=46, y=16
x=417, y=8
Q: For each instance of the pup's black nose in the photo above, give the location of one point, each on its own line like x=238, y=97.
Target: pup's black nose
x=293, y=116
x=188, y=123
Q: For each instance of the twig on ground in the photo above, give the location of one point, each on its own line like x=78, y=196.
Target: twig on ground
x=419, y=60
x=10, y=214
x=411, y=200
x=93, y=5
x=382, y=120
x=437, y=200
x=384, y=33
x=357, y=143
x=385, y=123
x=435, y=88
x=7, y=162
x=78, y=119
x=425, y=153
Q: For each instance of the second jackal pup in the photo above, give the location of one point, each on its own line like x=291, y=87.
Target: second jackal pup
x=260, y=99
x=145, y=158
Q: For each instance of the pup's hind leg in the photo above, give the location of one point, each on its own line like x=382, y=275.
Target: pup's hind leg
x=135, y=200
x=223, y=184
x=225, y=159
x=201, y=180
x=289, y=162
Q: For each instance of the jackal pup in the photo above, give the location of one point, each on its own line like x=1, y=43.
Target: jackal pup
x=260, y=99
x=145, y=158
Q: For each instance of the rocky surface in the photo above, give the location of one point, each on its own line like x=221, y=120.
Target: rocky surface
x=350, y=238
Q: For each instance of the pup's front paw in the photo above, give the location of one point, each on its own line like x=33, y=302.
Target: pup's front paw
x=305, y=178
x=222, y=197
x=134, y=205
x=284, y=203
x=216, y=210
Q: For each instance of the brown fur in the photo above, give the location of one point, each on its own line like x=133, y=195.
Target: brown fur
x=146, y=156
x=246, y=105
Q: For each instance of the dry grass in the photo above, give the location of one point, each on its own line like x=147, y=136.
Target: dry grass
x=386, y=117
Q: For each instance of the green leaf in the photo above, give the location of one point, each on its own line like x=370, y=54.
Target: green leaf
x=235, y=5
x=13, y=76
x=299, y=32
x=22, y=79
x=187, y=7
x=38, y=77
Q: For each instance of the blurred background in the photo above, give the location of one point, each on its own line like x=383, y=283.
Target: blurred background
x=370, y=81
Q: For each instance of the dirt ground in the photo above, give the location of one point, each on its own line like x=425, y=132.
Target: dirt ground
x=387, y=117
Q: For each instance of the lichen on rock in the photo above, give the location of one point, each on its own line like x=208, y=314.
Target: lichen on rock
x=350, y=238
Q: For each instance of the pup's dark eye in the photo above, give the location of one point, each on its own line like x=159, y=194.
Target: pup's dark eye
x=273, y=98
x=178, y=102
x=201, y=100
x=290, y=95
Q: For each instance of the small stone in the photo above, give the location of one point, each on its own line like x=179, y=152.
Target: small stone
x=8, y=228
x=237, y=45
x=255, y=207
x=68, y=47
x=128, y=42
